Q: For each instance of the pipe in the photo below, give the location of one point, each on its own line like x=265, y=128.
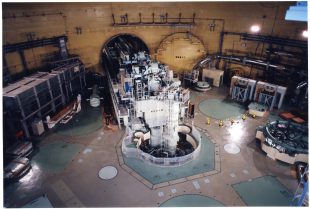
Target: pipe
x=243, y=60
x=270, y=39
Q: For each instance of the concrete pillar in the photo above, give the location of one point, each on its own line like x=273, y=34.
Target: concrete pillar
x=23, y=59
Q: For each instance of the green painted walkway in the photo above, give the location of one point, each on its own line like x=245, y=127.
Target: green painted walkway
x=220, y=109
x=155, y=174
x=264, y=191
x=85, y=122
x=55, y=156
x=191, y=200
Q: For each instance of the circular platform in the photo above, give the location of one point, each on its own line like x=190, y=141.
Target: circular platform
x=107, y=172
x=232, y=149
x=191, y=200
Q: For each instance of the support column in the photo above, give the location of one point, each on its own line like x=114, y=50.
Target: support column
x=63, y=99
x=24, y=62
x=23, y=122
x=6, y=72
x=52, y=97
x=38, y=102
x=63, y=48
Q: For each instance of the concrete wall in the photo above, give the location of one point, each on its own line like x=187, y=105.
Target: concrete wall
x=95, y=19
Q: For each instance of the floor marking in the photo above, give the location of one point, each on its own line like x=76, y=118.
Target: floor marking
x=161, y=194
x=232, y=175
x=173, y=190
x=246, y=172
x=87, y=150
x=207, y=180
x=196, y=185
x=99, y=138
x=80, y=160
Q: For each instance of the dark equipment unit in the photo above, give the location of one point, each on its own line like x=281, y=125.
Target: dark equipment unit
x=27, y=102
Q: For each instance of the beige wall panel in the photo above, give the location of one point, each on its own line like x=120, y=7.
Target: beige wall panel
x=95, y=19
x=14, y=58
x=181, y=51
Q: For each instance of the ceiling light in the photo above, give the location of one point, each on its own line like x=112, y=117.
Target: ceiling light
x=305, y=33
x=255, y=28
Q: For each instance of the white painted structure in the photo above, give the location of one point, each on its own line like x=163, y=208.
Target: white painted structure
x=269, y=94
x=214, y=74
x=242, y=89
x=150, y=103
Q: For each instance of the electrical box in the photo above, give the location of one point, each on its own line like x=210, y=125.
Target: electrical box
x=37, y=127
x=215, y=75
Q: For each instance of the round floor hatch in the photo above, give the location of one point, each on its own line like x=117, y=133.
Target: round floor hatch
x=232, y=149
x=107, y=172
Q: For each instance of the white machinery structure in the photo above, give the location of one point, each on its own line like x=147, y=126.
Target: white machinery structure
x=151, y=104
x=94, y=99
x=269, y=95
x=242, y=89
x=213, y=76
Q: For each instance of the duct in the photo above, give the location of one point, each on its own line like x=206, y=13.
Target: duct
x=245, y=60
x=280, y=53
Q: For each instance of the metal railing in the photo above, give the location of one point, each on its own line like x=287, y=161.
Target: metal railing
x=132, y=152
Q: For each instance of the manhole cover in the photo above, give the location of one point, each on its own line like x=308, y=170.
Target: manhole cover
x=108, y=172
x=232, y=149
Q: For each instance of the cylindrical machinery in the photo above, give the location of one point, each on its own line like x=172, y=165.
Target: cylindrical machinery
x=94, y=98
x=171, y=137
x=156, y=136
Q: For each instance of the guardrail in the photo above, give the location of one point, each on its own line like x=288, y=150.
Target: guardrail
x=132, y=152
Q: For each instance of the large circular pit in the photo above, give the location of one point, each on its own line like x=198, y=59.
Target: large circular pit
x=137, y=144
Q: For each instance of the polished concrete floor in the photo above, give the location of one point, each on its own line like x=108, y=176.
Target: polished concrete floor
x=66, y=165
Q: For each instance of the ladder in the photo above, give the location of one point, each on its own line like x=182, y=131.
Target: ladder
x=139, y=90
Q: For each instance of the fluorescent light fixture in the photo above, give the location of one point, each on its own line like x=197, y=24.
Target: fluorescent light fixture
x=255, y=28
x=305, y=33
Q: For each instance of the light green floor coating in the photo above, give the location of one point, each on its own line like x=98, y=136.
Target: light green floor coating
x=191, y=200
x=264, y=191
x=85, y=122
x=155, y=174
x=220, y=109
x=55, y=156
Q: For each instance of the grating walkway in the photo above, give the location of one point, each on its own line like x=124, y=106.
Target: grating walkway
x=264, y=191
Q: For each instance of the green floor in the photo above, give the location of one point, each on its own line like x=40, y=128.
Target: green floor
x=220, y=109
x=191, y=201
x=55, y=156
x=264, y=191
x=155, y=174
x=85, y=122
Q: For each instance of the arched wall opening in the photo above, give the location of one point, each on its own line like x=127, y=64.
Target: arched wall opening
x=119, y=46
x=116, y=47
